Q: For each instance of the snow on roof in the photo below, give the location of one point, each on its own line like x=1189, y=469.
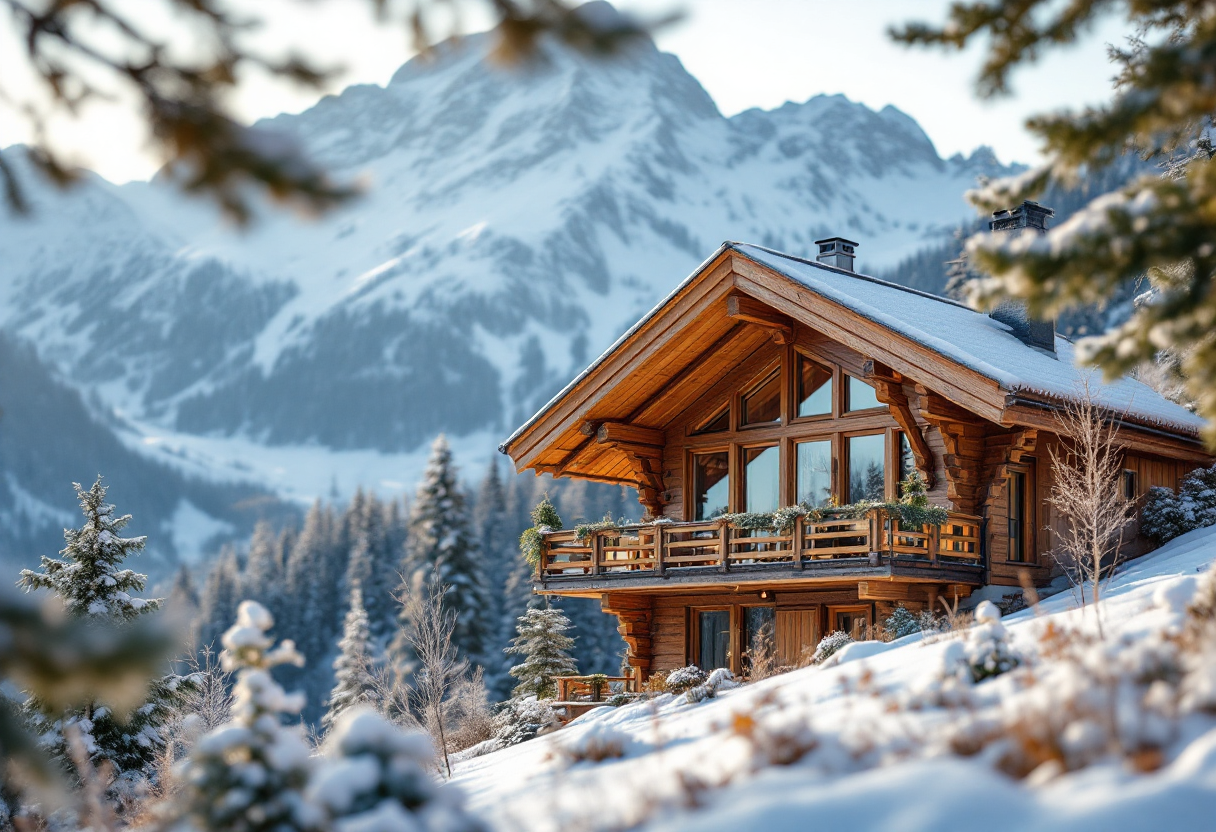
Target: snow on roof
x=976, y=341
x=954, y=330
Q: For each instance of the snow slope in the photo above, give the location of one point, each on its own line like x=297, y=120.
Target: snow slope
x=895, y=743
x=514, y=223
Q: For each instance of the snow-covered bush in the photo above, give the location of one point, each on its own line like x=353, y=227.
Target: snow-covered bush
x=902, y=623
x=720, y=680
x=830, y=644
x=1167, y=515
x=684, y=679
x=594, y=745
x=988, y=652
x=375, y=776
x=522, y=718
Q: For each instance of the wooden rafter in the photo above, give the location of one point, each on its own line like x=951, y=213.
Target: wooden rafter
x=752, y=311
x=889, y=388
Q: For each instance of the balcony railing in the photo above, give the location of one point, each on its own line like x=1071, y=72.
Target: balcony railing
x=662, y=547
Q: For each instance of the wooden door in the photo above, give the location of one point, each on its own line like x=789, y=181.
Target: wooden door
x=796, y=629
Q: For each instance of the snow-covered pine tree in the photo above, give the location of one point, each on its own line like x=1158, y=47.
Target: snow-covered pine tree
x=440, y=538
x=218, y=601
x=264, y=571
x=250, y=774
x=498, y=551
x=372, y=567
x=544, y=645
x=354, y=681
x=315, y=567
x=92, y=585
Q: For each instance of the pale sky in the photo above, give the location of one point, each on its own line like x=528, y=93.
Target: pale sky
x=747, y=53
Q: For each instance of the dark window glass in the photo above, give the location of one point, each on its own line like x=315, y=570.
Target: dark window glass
x=814, y=388
x=861, y=396
x=718, y=424
x=762, y=478
x=759, y=624
x=763, y=404
x=815, y=472
x=711, y=481
x=856, y=624
x=1130, y=490
x=714, y=628
x=867, y=464
x=1017, y=516
x=907, y=462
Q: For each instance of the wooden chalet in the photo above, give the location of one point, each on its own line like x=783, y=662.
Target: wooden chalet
x=765, y=380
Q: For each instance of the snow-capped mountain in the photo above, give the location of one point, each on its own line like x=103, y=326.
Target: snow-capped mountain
x=514, y=223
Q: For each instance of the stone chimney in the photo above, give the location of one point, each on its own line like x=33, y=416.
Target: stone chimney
x=1041, y=334
x=836, y=251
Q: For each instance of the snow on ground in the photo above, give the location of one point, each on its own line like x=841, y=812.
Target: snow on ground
x=888, y=736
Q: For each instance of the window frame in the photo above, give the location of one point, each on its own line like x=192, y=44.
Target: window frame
x=1029, y=524
x=863, y=608
x=694, y=633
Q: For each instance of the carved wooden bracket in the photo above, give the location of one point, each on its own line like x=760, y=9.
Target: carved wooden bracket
x=634, y=619
x=963, y=435
x=749, y=310
x=889, y=388
x=1004, y=450
x=643, y=447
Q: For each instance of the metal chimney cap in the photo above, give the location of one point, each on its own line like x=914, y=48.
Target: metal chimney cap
x=836, y=239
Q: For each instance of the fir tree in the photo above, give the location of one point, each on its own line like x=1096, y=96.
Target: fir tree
x=1156, y=226
x=543, y=643
x=371, y=566
x=354, y=682
x=499, y=553
x=440, y=539
x=93, y=586
x=263, y=578
x=219, y=597
x=264, y=792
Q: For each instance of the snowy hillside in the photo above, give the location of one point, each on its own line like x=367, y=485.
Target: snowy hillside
x=1084, y=735
x=514, y=223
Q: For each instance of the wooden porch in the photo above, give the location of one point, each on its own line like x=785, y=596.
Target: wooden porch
x=671, y=549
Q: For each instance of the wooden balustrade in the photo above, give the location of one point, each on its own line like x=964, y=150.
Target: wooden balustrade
x=720, y=545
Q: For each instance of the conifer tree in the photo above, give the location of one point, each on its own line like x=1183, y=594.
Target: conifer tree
x=354, y=682
x=264, y=791
x=92, y=585
x=263, y=578
x=1157, y=226
x=544, y=645
x=371, y=566
x=219, y=597
x=440, y=538
x=499, y=552
x=315, y=567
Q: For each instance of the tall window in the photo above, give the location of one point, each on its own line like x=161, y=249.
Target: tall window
x=861, y=396
x=1130, y=489
x=907, y=462
x=815, y=472
x=814, y=388
x=711, y=485
x=763, y=404
x=867, y=468
x=762, y=478
x=1017, y=517
x=713, y=628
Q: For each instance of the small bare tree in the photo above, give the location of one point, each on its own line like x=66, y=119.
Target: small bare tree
x=1087, y=496
x=429, y=631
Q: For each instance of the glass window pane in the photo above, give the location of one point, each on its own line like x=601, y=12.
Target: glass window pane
x=814, y=388
x=764, y=403
x=762, y=478
x=861, y=395
x=711, y=483
x=815, y=473
x=867, y=480
x=717, y=424
x=714, y=630
x=907, y=462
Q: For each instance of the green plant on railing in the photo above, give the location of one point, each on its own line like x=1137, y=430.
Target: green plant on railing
x=584, y=530
x=544, y=519
x=912, y=510
x=598, y=683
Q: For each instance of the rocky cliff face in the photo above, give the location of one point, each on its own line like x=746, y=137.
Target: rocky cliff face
x=515, y=222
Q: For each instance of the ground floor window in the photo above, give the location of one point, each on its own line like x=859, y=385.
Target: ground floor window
x=713, y=639
x=852, y=620
x=758, y=625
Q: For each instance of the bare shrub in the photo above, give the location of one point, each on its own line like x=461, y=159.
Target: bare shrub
x=469, y=713
x=762, y=656
x=1086, y=493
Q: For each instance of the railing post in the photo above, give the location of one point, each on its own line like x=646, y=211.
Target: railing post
x=935, y=542
x=796, y=543
x=723, y=546
x=660, y=548
x=542, y=563
x=597, y=552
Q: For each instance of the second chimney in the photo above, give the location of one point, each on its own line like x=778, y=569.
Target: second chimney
x=1041, y=334
x=836, y=251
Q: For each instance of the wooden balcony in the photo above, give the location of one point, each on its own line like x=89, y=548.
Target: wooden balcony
x=667, y=550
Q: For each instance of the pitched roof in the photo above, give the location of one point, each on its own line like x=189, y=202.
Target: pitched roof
x=953, y=330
